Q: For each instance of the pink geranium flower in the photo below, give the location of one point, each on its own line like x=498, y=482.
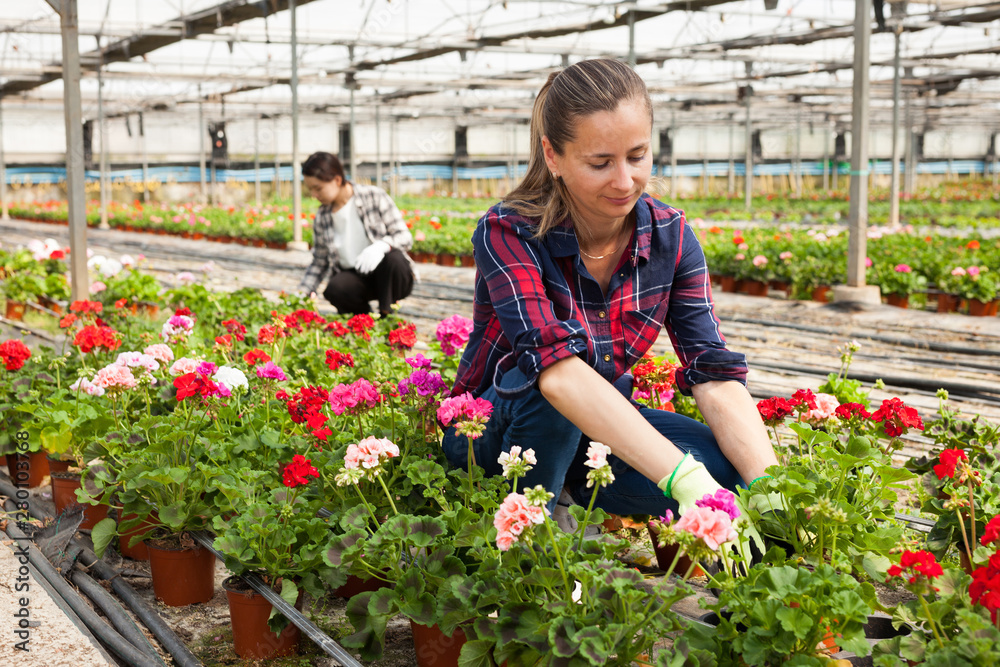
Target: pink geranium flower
x=115, y=377
x=469, y=414
x=160, y=352
x=515, y=515
x=370, y=454
x=271, y=371
x=351, y=398
x=453, y=333
x=184, y=365
x=712, y=526
x=826, y=407
x=88, y=387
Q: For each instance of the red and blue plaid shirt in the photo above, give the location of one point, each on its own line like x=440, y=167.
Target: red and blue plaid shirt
x=536, y=303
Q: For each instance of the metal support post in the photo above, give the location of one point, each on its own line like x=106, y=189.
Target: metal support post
x=354, y=149
x=826, y=162
x=731, y=172
x=798, y=154
x=145, y=158
x=256, y=156
x=630, y=17
x=704, y=162
x=378, y=146
x=748, y=159
x=858, y=243
x=909, y=166
x=4, y=213
x=102, y=124
x=201, y=146
x=76, y=196
x=896, y=86
x=277, y=162
x=673, y=156
x=297, y=242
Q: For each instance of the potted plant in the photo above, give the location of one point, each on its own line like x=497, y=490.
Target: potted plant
x=898, y=282
x=278, y=535
x=978, y=285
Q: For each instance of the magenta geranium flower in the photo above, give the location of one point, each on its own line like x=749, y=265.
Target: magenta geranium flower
x=271, y=371
x=453, y=333
x=469, y=414
x=723, y=500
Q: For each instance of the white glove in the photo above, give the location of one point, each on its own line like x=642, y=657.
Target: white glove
x=371, y=256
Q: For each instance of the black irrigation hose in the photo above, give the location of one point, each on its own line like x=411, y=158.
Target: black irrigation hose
x=104, y=632
x=318, y=637
x=181, y=654
x=894, y=340
x=114, y=612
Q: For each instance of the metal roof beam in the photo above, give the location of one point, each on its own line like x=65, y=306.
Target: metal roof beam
x=202, y=22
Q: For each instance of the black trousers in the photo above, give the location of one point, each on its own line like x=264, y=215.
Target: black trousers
x=392, y=280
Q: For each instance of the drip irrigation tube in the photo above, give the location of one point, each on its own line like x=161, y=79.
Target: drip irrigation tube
x=104, y=632
x=318, y=637
x=181, y=654
x=118, y=617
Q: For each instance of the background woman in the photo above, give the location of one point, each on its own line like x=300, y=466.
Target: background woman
x=578, y=270
x=359, y=239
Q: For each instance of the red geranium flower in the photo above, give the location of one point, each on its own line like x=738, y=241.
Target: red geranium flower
x=192, y=384
x=403, y=338
x=86, y=307
x=992, y=532
x=949, y=459
x=14, y=353
x=337, y=329
x=95, y=336
x=360, y=324
x=805, y=399
x=848, y=411
x=236, y=329
x=255, y=355
x=120, y=303
x=298, y=472
x=774, y=410
x=336, y=359
x=985, y=587
x=916, y=564
x=67, y=321
x=184, y=311
x=897, y=418
x=306, y=402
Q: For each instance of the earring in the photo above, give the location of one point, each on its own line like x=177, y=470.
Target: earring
x=555, y=176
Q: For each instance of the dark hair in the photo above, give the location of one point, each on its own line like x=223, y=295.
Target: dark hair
x=587, y=87
x=324, y=166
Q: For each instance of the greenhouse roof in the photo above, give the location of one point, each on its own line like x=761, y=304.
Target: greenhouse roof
x=482, y=61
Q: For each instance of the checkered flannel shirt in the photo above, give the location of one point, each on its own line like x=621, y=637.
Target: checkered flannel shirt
x=535, y=303
x=382, y=222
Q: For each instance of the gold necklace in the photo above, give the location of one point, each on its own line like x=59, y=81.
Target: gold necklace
x=607, y=254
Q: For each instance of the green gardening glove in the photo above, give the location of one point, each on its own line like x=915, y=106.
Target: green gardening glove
x=689, y=482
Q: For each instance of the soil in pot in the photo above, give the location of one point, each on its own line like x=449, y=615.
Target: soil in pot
x=434, y=648
x=249, y=611
x=27, y=470
x=182, y=575
x=64, y=486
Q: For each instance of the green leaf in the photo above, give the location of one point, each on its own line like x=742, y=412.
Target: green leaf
x=478, y=653
x=102, y=534
x=562, y=637
x=794, y=620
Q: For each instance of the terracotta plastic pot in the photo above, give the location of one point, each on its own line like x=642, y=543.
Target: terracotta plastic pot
x=15, y=310
x=446, y=259
x=139, y=551
x=27, y=470
x=252, y=638
x=434, y=648
x=57, y=465
x=979, y=308
x=665, y=556
x=64, y=486
x=755, y=287
x=947, y=303
x=898, y=300
x=821, y=293
x=182, y=576
x=728, y=283
x=357, y=585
